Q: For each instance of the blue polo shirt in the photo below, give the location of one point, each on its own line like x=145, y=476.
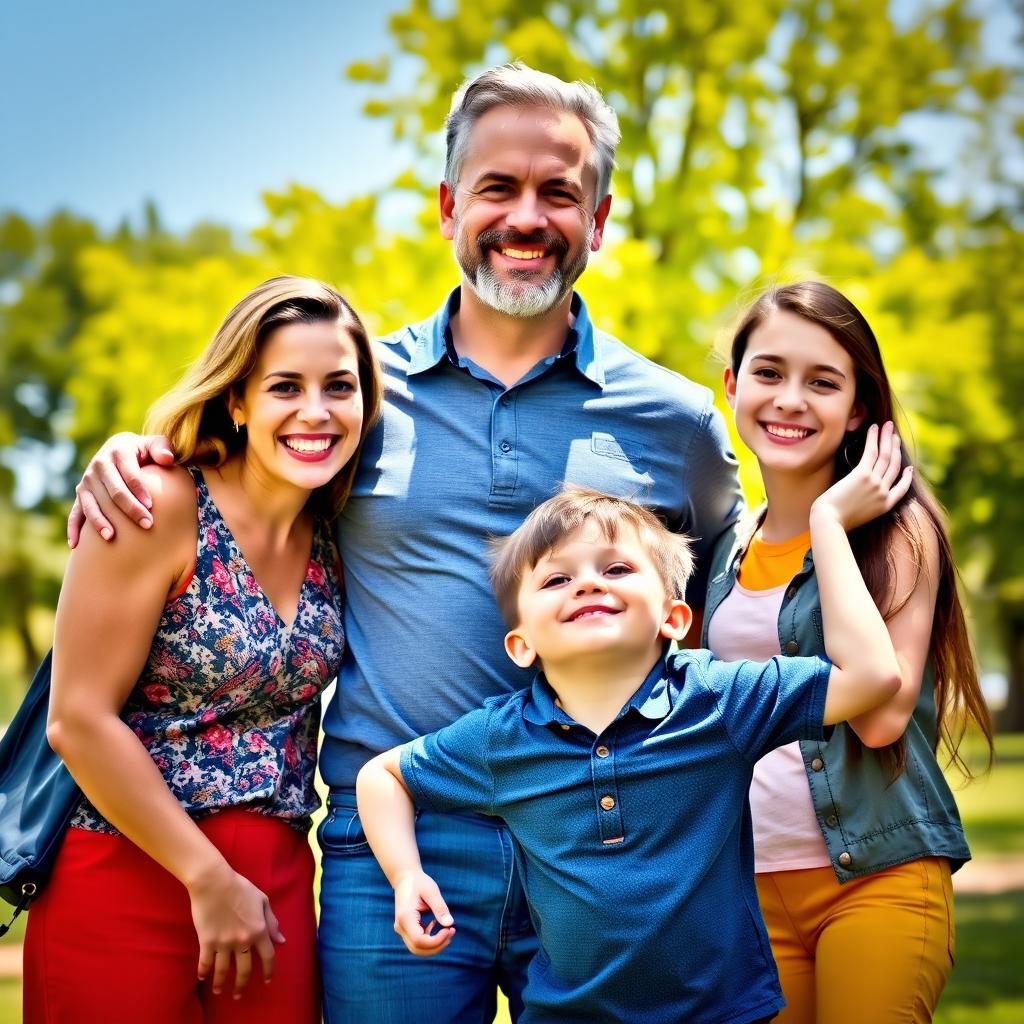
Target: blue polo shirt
x=458, y=458
x=634, y=846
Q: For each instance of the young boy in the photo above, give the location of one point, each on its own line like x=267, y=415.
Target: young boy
x=623, y=771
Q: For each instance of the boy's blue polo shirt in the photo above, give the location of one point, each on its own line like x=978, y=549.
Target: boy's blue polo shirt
x=634, y=846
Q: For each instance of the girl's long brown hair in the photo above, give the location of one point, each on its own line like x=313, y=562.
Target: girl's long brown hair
x=958, y=696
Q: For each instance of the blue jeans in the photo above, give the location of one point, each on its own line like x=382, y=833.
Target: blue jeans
x=369, y=976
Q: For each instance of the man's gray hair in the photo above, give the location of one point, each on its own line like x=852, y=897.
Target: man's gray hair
x=516, y=85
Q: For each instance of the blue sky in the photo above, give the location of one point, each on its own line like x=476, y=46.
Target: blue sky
x=199, y=104
x=203, y=104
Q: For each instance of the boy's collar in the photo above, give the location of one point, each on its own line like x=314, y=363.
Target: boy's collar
x=651, y=699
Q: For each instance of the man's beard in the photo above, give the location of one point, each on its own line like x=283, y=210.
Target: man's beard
x=522, y=296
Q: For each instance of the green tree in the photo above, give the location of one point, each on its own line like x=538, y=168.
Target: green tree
x=48, y=304
x=759, y=142
x=41, y=309
x=793, y=137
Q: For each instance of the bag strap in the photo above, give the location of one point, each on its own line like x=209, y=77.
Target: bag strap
x=28, y=891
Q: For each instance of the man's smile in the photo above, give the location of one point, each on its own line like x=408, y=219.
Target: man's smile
x=517, y=248
x=522, y=254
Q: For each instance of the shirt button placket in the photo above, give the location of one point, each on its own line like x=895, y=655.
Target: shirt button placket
x=609, y=814
x=504, y=457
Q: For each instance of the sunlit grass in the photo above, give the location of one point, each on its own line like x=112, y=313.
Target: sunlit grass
x=987, y=984
x=991, y=804
x=10, y=1000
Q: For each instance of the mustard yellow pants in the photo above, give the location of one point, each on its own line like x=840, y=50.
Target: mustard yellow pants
x=876, y=950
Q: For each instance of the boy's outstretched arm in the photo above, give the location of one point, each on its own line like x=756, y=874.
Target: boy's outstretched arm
x=387, y=813
x=865, y=671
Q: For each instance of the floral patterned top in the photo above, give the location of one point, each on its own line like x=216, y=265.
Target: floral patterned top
x=227, y=702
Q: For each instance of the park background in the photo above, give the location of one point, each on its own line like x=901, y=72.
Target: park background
x=160, y=160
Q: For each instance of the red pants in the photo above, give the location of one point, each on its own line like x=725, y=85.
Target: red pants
x=111, y=938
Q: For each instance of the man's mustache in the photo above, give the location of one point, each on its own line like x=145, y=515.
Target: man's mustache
x=494, y=238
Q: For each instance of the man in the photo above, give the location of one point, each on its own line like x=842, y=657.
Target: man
x=506, y=393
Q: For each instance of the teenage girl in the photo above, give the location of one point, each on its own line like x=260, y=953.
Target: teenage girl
x=188, y=664
x=855, y=839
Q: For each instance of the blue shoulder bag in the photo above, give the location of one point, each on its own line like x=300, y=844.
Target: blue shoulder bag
x=38, y=796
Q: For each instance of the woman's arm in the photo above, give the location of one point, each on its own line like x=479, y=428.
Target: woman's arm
x=913, y=593
x=110, y=605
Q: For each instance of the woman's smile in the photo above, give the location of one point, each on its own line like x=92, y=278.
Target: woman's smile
x=310, y=447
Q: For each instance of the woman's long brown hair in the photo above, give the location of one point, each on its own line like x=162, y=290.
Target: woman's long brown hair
x=194, y=414
x=958, y=697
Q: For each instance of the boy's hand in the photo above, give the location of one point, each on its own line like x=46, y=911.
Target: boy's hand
x=112, y=477
x=416, y=894
x=873, y=486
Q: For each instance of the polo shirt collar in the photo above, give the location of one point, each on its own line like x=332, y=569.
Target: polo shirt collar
x=435, y=340
x=588, y=359
x=652, y=697
x=540, y=707
x=650, y=700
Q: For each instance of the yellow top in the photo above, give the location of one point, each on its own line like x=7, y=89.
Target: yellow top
x=766, y=566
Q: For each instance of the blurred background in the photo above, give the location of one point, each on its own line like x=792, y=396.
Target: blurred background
x=160, y=160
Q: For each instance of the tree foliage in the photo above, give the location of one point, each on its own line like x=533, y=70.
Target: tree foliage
x=876, y=145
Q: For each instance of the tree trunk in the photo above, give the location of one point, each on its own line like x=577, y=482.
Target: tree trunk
x=19, y=602
x=1011, y=619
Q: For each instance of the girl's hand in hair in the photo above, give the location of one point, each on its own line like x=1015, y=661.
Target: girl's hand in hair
x=873, y=486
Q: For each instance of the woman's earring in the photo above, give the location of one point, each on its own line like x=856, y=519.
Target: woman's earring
x=236, y=425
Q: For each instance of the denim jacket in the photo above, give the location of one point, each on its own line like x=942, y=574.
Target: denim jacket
x=867, y=822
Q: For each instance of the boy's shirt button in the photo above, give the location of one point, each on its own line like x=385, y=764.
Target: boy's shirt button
x=607, y=802
x=601, y=751
x=845, y=859
x=792, y=647
x=817, y=764
x=563, y=727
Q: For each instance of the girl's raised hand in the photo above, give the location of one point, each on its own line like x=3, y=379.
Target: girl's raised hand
x=874, y=485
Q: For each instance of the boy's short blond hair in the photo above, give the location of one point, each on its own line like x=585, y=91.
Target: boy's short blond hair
x=551, y=523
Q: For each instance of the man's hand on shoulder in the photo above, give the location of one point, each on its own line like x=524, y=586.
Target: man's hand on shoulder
x=113, y=480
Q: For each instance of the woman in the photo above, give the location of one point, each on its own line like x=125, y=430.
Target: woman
x=188, y=663
x=855, y=840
